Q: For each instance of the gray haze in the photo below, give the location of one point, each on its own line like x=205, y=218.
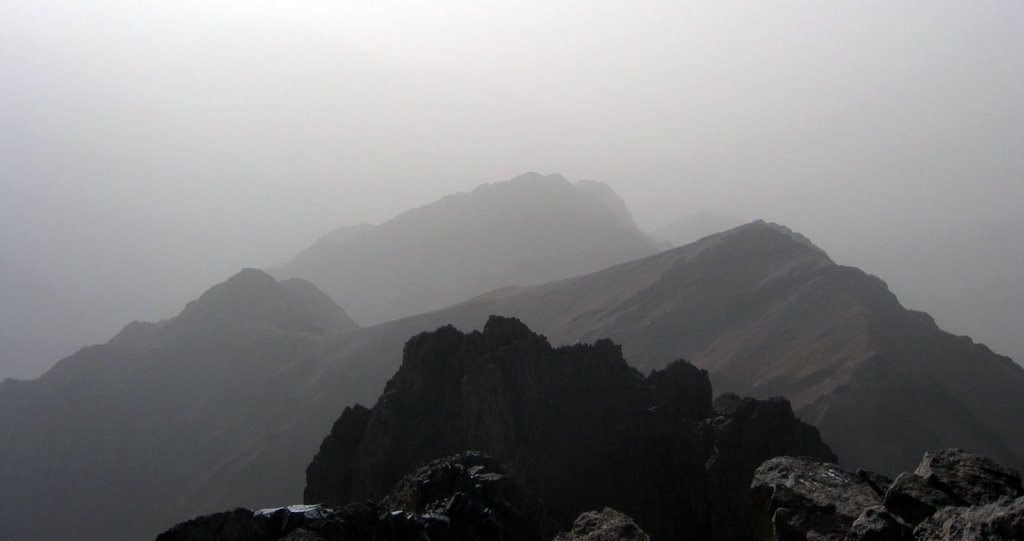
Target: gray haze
x=151, y=149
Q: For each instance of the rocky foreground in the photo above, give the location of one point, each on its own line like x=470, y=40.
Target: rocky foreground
x=952, y=495
x=467, y=497
x=571, y=443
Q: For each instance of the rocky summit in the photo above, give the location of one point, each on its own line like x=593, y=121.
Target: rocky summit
x=577, y=423
x=952, y=495
x=458, y=498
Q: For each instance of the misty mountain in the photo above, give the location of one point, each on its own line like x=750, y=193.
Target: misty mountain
x=224, y=406
x=768, y=313
x=119, y=437
x=528, y=230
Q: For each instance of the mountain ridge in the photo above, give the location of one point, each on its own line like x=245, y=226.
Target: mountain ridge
x=767, y=313
x=227, y=416
x=528, y=230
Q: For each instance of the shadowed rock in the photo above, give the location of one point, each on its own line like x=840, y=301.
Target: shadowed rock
x=803, y=498
x=458, y=498
x=606, y=525
x=576, y=422
x=953, y=494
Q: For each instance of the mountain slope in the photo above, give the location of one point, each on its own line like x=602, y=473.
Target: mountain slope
x=767, y=313
x=529, y=230
x=118, y=437
x=225, y=407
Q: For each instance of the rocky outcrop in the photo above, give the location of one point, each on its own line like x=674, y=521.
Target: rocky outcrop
x=605, y=525
x=953, y=494
x=797, y=496
x=576, y=422
x=458, y=498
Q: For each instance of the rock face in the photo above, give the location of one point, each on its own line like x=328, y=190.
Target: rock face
x=463, y=497
x=953, y=494
x=585, y=429
x=798, y=496
x=529, y=230
x=606, y=525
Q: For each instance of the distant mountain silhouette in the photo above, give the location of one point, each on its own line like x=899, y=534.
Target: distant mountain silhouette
x=115, y=441
x=528, y=230
x=225, y=405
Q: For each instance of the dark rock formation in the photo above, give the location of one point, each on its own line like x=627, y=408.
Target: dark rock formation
x=797, y=497
x=585, y=429
x=953, y=494
x=465, y=497
x=967, y=478
x=912, y=498
x=606, y=525
x=1002, y=520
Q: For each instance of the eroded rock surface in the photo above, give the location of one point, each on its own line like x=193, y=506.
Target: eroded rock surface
x=459, y=498
x=605, y=525
x=953, y=494
x=577, y=423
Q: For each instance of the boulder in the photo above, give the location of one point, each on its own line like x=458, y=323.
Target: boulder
x=967, y=478
x=879, y=524
x=1002, y=520
x=606, y=525
x=952, y=495
x=913, y=499
x=804, y=498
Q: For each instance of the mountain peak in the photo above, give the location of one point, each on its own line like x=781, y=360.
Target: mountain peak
x=531, y=229
x=253, y=297
x=535, y=177
x=767, y=234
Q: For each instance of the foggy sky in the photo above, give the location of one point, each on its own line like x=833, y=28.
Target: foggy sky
x=151, y=149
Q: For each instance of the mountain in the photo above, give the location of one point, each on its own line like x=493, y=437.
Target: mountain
x=528, y=230
x=225, y=407
x=118, y=437
x=577, y=423
x=767, y=313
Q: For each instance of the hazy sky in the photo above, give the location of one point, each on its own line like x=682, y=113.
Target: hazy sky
x=151, y=149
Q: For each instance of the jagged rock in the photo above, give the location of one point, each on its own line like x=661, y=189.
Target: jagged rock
x=684, y=389
x=880, y=483
x=967, y=478
x=954, y=494
x=235, y=525
x=913, y=499
x=1002, y=520
x=458, y=498
x=477, y=496
x=577, y=423
x=606, y=525
x=803, y=498
x=878, y=524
